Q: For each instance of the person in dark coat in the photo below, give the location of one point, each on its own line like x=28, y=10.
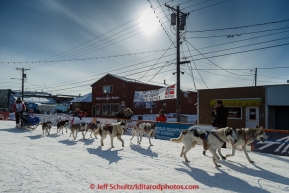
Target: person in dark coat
x=220, y=115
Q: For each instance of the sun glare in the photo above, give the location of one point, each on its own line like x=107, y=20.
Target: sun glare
x=148, y=22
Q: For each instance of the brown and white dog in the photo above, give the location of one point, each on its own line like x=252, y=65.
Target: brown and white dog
x=102, y=131
x=245, y=137
x=77, y=127
x=141, y=129
x=62, y=124
x=92, y=127
x=113, y=130
x=215, y=140
x=46, y=126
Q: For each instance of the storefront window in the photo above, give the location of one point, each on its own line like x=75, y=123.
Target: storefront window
x=106, y=109
x=96, y=110
x=110, y=109
x=114, y=109
x=234, y=112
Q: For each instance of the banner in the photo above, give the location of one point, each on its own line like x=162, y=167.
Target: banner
x=168, y=92
x=148, y=105
x=277, y=144
x=167, y=131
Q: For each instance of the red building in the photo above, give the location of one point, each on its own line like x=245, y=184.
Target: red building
x=111, y=93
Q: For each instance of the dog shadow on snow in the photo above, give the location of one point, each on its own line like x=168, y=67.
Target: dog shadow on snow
x=221, y=180
x=260, y=172
x=143, y=151
x=110, y=155
x=87, y=141
x=16, y=130
x=68, y=142
x=39, y=136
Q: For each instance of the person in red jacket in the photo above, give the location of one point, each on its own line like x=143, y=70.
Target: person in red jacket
x=80, y=113
x=161, y=117
x=18, y=107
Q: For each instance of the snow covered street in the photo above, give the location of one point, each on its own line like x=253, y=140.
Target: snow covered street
x=31, y=162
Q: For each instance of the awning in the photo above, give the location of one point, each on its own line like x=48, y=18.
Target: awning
x=238, y=102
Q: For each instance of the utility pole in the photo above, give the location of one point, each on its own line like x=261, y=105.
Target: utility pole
x=255, y=76
x=23, y=76
x=178, y=18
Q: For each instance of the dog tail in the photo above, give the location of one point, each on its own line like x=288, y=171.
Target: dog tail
x=177, y=140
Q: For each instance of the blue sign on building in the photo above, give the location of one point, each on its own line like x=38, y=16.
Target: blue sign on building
x=167, y=131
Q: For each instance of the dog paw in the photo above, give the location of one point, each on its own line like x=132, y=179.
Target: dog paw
x=188, y=161
x=223, y=157
x=152, y=145
x=218, y=166
x=251, y=161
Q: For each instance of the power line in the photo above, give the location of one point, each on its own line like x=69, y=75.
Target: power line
x=156, y=62
x=209, y=6
x=244, y=46
x=245, y=26
x=162, y=24
x=195, y=4
x=243, y=51
x=91, y=58
x=196, y=66
x=233, y=35
x=209, y=59
x=243, y=40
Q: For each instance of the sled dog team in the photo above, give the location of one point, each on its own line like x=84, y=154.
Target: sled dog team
x=239, y=138
x=113, y=130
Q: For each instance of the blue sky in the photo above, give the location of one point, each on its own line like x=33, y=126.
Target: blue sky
x=66, y=40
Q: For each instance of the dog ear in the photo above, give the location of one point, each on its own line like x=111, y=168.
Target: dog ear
x=257, y=126
x=228, y=131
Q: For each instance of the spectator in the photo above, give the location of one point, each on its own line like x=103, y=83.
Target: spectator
x=80, y=113
x=161, y=117
x=220, y=115
x=30, y=112
x=18, y=108
x=5, y=113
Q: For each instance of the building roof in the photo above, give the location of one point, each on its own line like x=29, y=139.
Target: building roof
x=43, y=100
x=83, y=99
x=125, y=79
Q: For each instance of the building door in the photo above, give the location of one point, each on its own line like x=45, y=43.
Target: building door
x=252, y=117
x=282, y=118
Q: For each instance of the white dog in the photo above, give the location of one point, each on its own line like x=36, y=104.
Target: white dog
x=113, y=130
x=141, y=129
x=215, y=140
x=245, y=137
x=102, y=131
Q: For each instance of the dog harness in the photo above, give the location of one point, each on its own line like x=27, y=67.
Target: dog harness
x=217, y=136
x=246, y=141
x=208, y=133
